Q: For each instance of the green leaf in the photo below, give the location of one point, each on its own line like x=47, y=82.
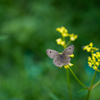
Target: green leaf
x=82, y=90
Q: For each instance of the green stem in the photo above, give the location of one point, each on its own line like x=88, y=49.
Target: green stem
x=98, y=70
x=77, y=79
x=88, y=95
x=68, y=79
x=96, y=84
x=67, y=72
x=68, y=43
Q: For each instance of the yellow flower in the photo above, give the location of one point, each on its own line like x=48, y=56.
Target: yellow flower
x=93, y=58
x=66, y=66
x=97, y=63
x=70, y=64
x=63, y=43
x=62, y=30
x=90, y=64
x=93, y=62
x=72, y=55
x=66, y=31
x=94, y=49
x=95, y=68
x=59, y=40
x=94, y=55
x=58, y=29
x=91, y=44
x=98, y=60
x=73, y=37
x=89, y=58
x=97, y=54
x=65, y=34
x=87, y=48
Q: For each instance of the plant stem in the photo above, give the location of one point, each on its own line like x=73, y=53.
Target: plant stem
x=96, y=84
x=77, y=79
x=68, y=79
x=98, y=70
x=68, y=43
x=67, y=72
x=88, y=95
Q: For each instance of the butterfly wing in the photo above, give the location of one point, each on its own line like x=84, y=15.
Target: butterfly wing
x=57, y=61
x=68, y=51
x=66, y=59
x=52, y=53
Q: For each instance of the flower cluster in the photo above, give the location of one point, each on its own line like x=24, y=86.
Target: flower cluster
x=61, y=41
x=94, y=60
x=64, y=33
x=90, y=48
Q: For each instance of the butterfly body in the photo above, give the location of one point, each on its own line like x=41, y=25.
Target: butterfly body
x=61, y=59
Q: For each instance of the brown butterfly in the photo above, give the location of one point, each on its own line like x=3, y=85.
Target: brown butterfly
x=61, y=59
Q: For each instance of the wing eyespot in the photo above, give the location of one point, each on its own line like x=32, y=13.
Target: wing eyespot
x=50, y=51
x=69, y=48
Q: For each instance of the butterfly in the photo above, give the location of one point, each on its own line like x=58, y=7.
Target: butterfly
x=60, y=59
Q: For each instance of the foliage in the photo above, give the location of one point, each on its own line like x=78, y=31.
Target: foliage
x=27, y=29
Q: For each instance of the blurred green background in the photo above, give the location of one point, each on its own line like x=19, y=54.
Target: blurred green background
x=27, y=29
